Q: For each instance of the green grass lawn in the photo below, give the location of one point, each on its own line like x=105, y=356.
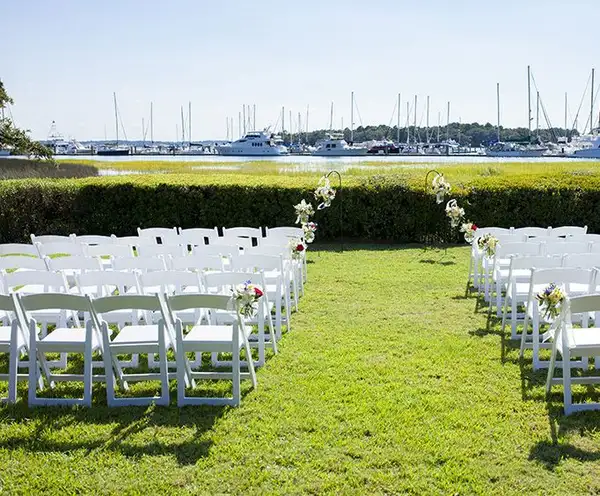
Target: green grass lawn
x=391, y=381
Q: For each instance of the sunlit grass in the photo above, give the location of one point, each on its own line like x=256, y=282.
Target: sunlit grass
x=391, y=382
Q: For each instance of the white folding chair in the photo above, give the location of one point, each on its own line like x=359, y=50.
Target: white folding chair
x=565, y=247
x=106, y=252
x=93, y=239
x=224, y=283
x=18, y=249
x=132, y=340
x=160, y=235
x=210, y=337
x=254, y=234
x=163, y=249
x=573, y=342
x=221, y=250
x=199, y=263
x=71, y=266
x=77, y=339
x=574, y=282
x=285, y=231
x=277, y=283
x=517, y=286
x=18, y=262
x=132, y=241
x=64, y=248
x=476, y=255
x=13, y=342
x=51, y=238
x=582, y=260
x=141, y=264
x=533, y=232
x=568, y=231
x=197, y=236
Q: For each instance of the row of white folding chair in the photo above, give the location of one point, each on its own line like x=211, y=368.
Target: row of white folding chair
x=574, y=282
x=96, y=336
x=575, y=345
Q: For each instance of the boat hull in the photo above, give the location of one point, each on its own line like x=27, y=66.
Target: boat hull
x=515, y=154
x=361, y=152
x=586, y=153
x=248, y=153
x=112, y=153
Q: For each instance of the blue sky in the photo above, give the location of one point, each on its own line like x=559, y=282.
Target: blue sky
x=66, y=57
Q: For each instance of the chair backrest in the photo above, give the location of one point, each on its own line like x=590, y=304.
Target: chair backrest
x=256, y=263
x=63, y=301
x=224, y=282
x=565, y=276
x=51, y=238
x=93, y=239
x=590, y=238
x=583, y=304
x=107, y=304
x=242, y=232
x=6, y=303
x=75, y=262
x=562, y=247
x=142, y=264
x=289, y=232
x=533, y=232
x=197, y=236
x=44, y=280
x=20, y=262
x=233, y=243
x=213, y=250
x=61, y=248
x=160, y=235
x=177, y=303
x=272, y=250
x=535, y=261
x=162, y=249
x=131, y=241
x=582, y=260
x=505, y=250
x=106, y=282
x=494, y=231
x=568, y=231
x=197, y=262
x=110, y=250
x=510, y=238
x=169, y=281
x=18, y=249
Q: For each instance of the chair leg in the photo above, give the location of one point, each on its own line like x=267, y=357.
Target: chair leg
x=164, y=371
x=31, y=393
x=13, y=372
x=551, y=368
x=566, y=370
x=87, y=372
x=235, y=369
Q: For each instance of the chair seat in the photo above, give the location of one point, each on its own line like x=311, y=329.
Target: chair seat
x=5, y=334
x=137, y=335
x=518, y=274
x=210, y=338
x=66, y=339
x=585, y=341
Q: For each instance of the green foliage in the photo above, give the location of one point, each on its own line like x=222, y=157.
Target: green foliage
x=393, y=207
x=18, y=140
x=16, y=168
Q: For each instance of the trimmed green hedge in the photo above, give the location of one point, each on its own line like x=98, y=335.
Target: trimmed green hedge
x=380, y=208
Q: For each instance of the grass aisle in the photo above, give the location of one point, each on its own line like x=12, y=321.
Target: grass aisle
x=390, y=382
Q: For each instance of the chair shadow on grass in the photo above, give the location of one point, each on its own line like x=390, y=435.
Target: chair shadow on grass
x=128, y=422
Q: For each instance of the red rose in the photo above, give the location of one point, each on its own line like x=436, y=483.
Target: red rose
x=300, y=247
x=257, y=292
x=474, y=227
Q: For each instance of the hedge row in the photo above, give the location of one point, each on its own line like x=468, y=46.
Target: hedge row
x=379, y=209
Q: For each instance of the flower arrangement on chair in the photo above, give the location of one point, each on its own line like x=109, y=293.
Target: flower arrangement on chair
x=246, y=297
x=304, y=211
x=310, y=228
x=297, y=248
x=487, y=244
x=440, y=188
x=550, y=299
x=468, y=228
x=324, y=192
x=454, y=213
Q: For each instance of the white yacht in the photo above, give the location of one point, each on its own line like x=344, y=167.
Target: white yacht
x=255, y=143
x=587, y=146
x=515, y=149
x=336, y=146
x=76, y=148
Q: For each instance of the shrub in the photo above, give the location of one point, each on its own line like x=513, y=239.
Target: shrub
x=19, y=168
x=380, y=208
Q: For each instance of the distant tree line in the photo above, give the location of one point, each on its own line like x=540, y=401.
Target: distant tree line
x=473, y=134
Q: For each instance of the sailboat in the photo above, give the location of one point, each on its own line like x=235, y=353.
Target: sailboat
x=520, y=149
x=110, y=149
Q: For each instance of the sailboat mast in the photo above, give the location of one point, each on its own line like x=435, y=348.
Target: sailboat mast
x=190, y=121
x=116, y=117
x=438, y=127
x=143, y=132
x=244, y=116
x=351, y=117
x=537, y=113
x=407, y=122
x=498, y=110
x=307, y=109
x=566, y=132
x=291, y=128
x=448, y=124
x=415, y=120
x=331, y=118
x=427, y=121
x=151, y=125
x=239, y=124
x=254, y=116
x=592, y=102
x=398, y=126
x=529, y=100
x=283, y=123
x=182, y=126
x=227, y=124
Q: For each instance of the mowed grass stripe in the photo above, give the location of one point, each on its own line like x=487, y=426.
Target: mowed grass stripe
x=391, y=381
